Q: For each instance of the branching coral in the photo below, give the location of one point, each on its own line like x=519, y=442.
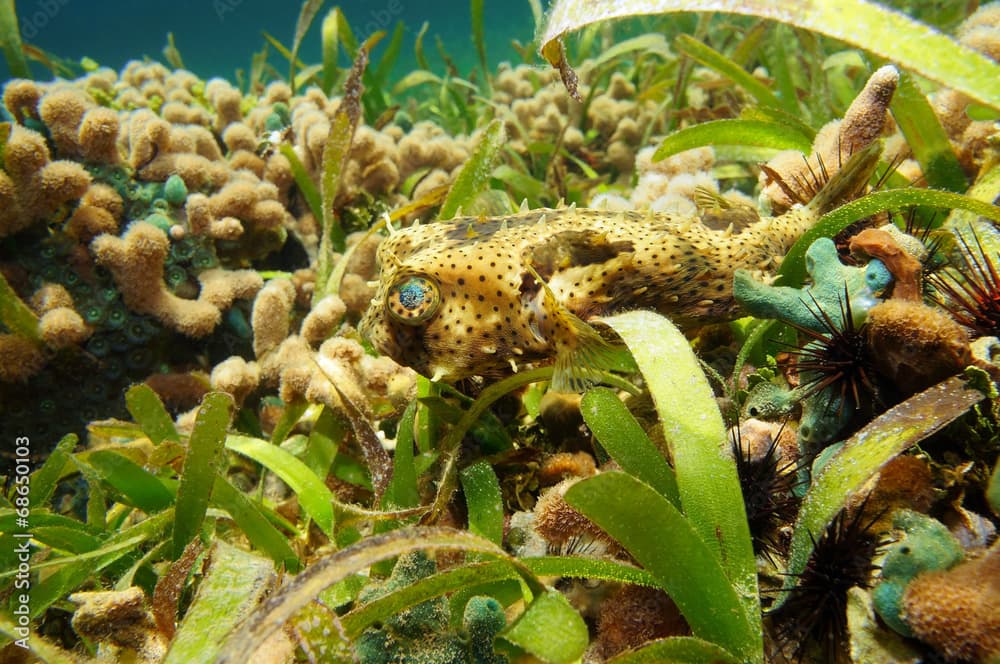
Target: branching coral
x=33, y=187
x=791, y=179
x=136, y=261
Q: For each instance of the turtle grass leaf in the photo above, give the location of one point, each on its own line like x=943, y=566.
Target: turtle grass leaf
x=234, y=585
x=915, y=46
x=332, y=568
x=864, y=453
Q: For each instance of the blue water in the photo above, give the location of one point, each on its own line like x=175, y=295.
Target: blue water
x=217, y=37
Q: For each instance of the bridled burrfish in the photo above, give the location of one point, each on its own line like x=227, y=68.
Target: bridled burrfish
x=481, y=296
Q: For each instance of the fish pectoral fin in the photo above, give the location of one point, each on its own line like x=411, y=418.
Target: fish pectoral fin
x=582, y=355
x=583, y=363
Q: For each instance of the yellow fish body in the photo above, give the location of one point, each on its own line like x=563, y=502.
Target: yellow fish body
x=478, y=296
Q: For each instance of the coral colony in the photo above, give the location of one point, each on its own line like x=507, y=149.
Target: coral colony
x=341, y=365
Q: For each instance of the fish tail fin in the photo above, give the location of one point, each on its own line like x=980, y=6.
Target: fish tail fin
x=848, y=181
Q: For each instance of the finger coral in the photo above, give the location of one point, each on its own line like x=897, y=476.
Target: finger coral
x=136, y=261
x=790, y=178
x=33, y=187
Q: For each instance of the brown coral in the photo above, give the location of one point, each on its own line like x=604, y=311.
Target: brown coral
x=49, y=297
x=136, y=262
x=62, y=111
x=790, y=179
x=62, y=327
x=98, y=136
x=958, y=611
x=33, y=188
x=237, y=377
x=323, y=320
x=21, y=97
x=915, y=345
x=272, y=310
x=19, y=359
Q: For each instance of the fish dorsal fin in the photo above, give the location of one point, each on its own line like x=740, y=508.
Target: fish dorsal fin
x=581, y=354
x=706, y=199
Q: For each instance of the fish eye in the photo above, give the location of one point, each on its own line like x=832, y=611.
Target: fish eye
x=413, y=299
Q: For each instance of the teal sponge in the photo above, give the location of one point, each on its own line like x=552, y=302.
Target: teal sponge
x=926, y=546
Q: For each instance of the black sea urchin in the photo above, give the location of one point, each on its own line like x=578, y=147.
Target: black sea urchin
x=768, y=487
x=971, y=292
x=814, y=616
x=835, y=357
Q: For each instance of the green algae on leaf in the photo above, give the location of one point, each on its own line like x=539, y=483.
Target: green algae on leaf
x=16, y=315
x=73, y=571
x=307, y=13
x=332, y=568
x=993, y=489
x=711, y=58
x=485, y=503
x=707, y=480
x=864, y=453
x=336, y=153
x=757, y=133
x=915, y=46
x=793, y=266
x=455, y=579
x=10, y=41
x=251, y=519
x=449, y=446
x=475, y=173
x=202, y=463
x=625, y=441
x=234, y=585
x=479, y=37
x=670, y=547
x=43, y=480
x=402, y=491
x=303, y=181
x=550, y=629
x=314, y=497
x=926, y=137
x=677, y=650
x=148, y=411
x=138, y=486
x=328, y=40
